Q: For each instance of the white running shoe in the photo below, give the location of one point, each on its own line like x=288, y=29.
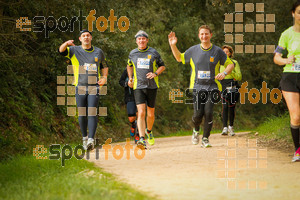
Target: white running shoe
x=225, y=131
x=205, y=143
x=90, y=144
x=84, y=142
x=231, y=131
x=195, y=137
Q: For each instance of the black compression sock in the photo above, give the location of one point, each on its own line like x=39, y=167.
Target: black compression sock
x=148, y=131
x=133, y=124
x=295, y=136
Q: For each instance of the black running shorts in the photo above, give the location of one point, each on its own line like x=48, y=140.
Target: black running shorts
x=290, y=82
x=131, y=109
x=145, y=96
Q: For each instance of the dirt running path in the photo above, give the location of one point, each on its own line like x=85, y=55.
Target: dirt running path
x=175, y=169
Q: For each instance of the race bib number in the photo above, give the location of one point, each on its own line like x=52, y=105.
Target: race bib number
x=296, y=67
x=143, y=63
x=203, y=74
x=90, y=67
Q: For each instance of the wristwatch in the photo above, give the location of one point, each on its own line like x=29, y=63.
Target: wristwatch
x=225, y=73
x=155, y=73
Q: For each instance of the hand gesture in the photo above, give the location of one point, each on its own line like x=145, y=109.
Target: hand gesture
x=70, y=43
x=172, y=38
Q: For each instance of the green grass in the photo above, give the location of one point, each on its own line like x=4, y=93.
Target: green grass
x=25, y=177
x=275, y=127
x=276, y=131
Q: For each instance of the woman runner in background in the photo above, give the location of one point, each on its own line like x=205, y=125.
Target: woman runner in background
x=130, y=105
x=230, y=94
x=290, y=82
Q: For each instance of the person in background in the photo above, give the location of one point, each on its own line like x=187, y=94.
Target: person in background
x=130, y=105
x=230, y=94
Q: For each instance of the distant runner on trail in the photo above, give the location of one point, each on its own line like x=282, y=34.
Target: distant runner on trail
x=205, y=60
x=130, y=105
x=87, y=61
x=144, y=67
x=289, y=42
x=230, y=93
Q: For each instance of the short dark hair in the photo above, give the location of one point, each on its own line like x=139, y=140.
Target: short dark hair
x=205, y=27
x=83, y=31
x=230, y=50
x=295, y=5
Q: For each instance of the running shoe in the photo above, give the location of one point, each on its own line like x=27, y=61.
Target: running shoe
x=231, y=131
x=84, y=142
x=136, y=138
x=150, y=137
x=142, y=144
x=296, y=157
x=195, y=137
x=205, y=143
x=225, y=131
x=132, y=131
x=90, y=144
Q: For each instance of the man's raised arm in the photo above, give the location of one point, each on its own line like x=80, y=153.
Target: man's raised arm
x=172, y=42
x=64, y=46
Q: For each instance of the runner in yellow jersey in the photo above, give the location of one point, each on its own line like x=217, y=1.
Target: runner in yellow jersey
x=230, y=94
x=290, y=82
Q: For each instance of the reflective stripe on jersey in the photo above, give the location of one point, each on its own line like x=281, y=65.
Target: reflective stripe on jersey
x=193, y=74
x=154, y=70
x=217, y=70
x=135, y=77
x=75, y=65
